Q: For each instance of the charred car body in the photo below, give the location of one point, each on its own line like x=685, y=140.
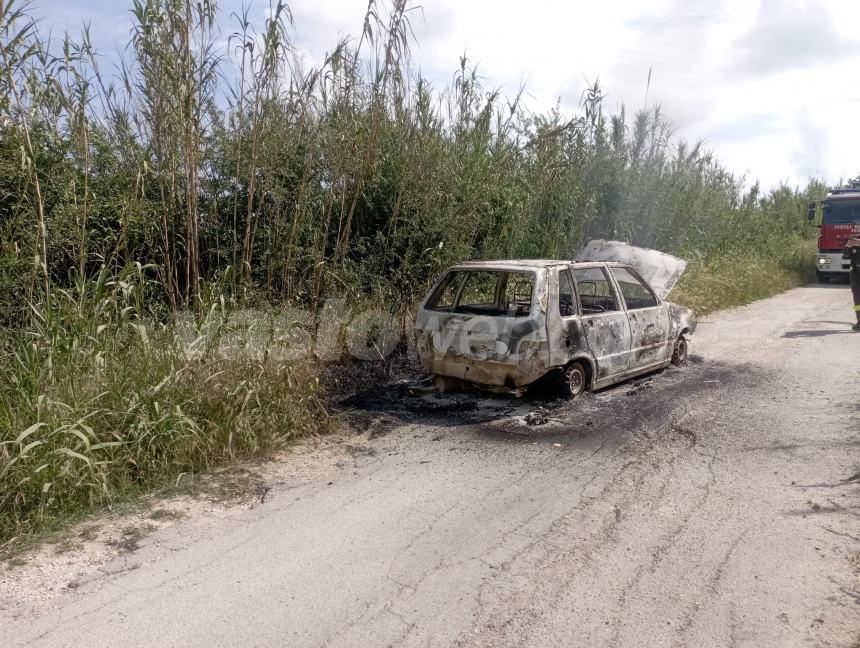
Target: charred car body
x=592, y=322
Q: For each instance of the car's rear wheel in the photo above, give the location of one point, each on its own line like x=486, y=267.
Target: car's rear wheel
x=679, y=353
x=574, y=380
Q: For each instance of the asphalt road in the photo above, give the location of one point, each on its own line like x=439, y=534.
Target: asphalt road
x=706, y=506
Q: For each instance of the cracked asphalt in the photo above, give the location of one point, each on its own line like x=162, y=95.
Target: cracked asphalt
x=713, y=505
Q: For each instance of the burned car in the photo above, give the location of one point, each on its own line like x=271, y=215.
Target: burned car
x=587, y=323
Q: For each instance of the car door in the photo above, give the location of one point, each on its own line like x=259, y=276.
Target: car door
x=648, y=316
x=604, y=321
x=564, y=325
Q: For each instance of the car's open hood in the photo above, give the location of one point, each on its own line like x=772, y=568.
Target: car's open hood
x=662, y=271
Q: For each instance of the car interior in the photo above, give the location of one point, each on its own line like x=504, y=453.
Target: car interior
x=493, y=293
x=636, y=294
x=595, y=292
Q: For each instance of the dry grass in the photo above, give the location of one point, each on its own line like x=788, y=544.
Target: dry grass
x=733, y=282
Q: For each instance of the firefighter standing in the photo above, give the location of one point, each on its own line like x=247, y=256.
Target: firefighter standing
x=852, y=252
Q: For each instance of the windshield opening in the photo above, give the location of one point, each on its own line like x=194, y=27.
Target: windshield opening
x=841, y=213
x=484, y=292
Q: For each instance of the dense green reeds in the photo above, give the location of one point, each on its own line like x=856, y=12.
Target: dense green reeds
x=99, y=399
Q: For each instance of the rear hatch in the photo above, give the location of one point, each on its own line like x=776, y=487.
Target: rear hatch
x=662, y=271
x=485, y=324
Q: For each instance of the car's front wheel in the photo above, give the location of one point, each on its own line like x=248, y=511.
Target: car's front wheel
x=574, y=380
x=679, y=353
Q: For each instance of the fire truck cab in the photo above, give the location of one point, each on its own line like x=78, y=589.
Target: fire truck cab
x=840, y=221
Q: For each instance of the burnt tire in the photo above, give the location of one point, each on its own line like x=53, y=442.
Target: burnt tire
x=679, y=352
x=574, y=380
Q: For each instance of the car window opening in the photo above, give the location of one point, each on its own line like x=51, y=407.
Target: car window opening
x=484, y=292
x=596, y=293
x=566, y=296
x=636, y=294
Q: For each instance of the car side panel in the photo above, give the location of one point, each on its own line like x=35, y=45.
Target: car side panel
x=608, y=335
x=609, y=341
x=649, y=330
x=565, y=333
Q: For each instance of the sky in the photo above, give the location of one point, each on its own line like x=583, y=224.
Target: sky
x=770, y=86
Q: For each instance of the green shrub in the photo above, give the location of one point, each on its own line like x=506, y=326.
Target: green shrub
x=734, y=279
x=97, y=399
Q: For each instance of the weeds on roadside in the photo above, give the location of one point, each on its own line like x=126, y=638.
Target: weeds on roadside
x=99, y=398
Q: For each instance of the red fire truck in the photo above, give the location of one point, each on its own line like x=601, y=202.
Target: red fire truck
x=840, y=221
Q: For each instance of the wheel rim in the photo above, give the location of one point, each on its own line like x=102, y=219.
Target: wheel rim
x=575, y=381
x=680, y=350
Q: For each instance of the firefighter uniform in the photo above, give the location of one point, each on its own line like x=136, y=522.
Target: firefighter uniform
x=853, y=255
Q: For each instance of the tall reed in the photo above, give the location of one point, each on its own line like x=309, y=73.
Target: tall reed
x=99, y=398
x=310, y=180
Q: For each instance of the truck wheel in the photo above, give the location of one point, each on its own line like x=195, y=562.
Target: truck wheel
x=679, y=353
x=821, y=278
x=573, y=380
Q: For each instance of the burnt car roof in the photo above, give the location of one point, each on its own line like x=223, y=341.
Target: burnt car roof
x=528, y=264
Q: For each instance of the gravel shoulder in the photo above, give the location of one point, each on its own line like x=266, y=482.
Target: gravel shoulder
x=715, y=504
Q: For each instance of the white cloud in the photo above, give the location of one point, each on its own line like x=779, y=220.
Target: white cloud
x=810, y=156
x=792, y=35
